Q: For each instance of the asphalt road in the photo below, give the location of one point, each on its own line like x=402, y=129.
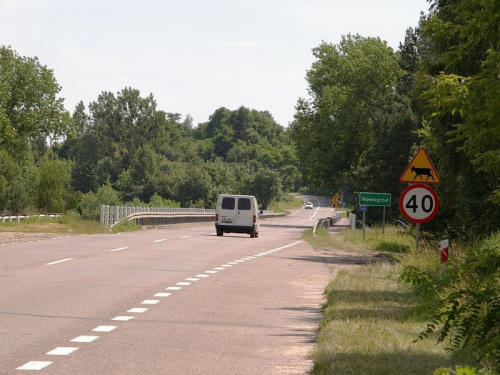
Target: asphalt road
x=164, y=301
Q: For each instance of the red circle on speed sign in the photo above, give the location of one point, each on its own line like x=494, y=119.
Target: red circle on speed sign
x=419, y=203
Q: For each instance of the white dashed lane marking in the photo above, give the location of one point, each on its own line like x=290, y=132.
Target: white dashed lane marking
x=150, y=302
x=39, y=365
x=162, y=294
x=85, y=338
x=120, y=248
x=123, y=318
x=34, y=365
x=138, y=310
x=163, y=239
x=104, y=329
x=58, y=261
x=62, y=351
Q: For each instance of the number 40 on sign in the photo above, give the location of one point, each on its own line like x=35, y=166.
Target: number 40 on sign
x=419, y=203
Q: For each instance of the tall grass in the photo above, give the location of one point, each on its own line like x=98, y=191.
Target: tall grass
x=70, y=222
x=367, y=328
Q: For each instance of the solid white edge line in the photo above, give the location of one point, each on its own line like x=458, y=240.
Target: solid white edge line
x=58, y=261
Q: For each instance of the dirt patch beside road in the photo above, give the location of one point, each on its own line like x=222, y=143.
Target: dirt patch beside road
x=13, y=237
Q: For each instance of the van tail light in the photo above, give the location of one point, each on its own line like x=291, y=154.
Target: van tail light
x=216, y=217
x=254, y=218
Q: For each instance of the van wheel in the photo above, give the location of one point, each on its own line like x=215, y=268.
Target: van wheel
x=220, y=232
x=256, y=234
x=253, y=234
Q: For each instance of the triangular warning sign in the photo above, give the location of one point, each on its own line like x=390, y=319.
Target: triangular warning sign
x=420, y=169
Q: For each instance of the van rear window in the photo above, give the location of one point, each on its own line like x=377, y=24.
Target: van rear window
x=227, y=203
x=244, y=204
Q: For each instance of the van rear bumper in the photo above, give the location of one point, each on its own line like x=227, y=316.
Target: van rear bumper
x=235, y=229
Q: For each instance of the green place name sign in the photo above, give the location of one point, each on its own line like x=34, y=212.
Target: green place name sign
x=375, y=199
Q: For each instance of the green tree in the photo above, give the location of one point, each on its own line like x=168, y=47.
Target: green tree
x=54, y=182
x=9, y=169
x=459, y=85
x=90, y=207
x=107, y=195
x=18, y=197
x=266, y=186
x=114, y=135
x=29, y=107
x=348, y=82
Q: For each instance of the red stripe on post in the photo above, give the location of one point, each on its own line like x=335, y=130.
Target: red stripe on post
x=444, y=250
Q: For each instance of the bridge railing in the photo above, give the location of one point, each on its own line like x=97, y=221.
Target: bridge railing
x=111, y=215
x=17, y=218
x=325, y=222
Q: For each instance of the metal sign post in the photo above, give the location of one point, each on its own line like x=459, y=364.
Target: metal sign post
x=377, y=200
x=383, y=222
x=364, y=219
x=417, y=235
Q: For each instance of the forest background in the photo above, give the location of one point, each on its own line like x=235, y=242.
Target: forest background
x=369, y=109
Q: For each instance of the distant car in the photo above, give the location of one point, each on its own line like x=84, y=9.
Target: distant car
x=308, y=205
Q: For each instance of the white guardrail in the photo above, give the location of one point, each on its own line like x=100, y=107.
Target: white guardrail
x=111, y=215
x=17, y=218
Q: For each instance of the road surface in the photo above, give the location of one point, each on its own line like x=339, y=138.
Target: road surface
x=178, y=300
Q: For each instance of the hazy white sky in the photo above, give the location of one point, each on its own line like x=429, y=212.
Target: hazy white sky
x=194, y=56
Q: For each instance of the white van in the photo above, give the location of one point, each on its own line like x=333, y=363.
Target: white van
x=238, y=214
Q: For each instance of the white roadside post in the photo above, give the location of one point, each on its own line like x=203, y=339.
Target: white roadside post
x=444, y=245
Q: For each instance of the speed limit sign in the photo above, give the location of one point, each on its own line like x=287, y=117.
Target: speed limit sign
x=419, y=203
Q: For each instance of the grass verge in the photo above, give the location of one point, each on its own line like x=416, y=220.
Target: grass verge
x=69, y=223
x=366, y=327
x=286, y=203
x=126, y=226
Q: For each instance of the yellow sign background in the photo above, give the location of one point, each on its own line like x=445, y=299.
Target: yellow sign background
x=420, y=170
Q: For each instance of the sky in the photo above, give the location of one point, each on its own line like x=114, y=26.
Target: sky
x=194, y=56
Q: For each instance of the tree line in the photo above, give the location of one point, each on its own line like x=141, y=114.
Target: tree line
x=370, y=108
x=122, y=149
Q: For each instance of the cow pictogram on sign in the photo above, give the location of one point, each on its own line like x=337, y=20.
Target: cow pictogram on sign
x=420, y=170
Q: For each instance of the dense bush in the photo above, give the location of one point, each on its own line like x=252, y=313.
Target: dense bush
x=462, y=303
